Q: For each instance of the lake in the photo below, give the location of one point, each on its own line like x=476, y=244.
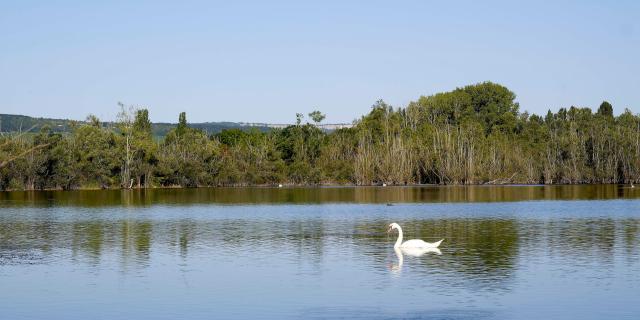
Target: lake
x=510, y=252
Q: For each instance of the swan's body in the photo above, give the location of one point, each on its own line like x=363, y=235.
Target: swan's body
x=414, y=243
x=417, y=243
x=418, y=251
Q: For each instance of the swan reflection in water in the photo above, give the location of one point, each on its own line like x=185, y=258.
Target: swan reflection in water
x=413, y=252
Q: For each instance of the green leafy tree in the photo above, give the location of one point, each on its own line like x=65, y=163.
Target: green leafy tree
x=317, y=116
x=182, y=124
x=138, y=148
x=187, y=157
x=94, y=145
x=605, y=109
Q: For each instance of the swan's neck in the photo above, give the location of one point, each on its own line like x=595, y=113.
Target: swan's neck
x=399, y=241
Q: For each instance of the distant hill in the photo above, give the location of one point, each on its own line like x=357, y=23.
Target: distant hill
x=15, y=123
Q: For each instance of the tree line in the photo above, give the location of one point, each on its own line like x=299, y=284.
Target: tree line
x=19, y=123
x=471, y=135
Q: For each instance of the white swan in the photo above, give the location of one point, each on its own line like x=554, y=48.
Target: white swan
x=414, y=243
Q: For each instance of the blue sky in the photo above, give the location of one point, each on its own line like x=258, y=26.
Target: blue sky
x=264, y=61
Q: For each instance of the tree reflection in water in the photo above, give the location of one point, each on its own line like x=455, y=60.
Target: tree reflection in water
x=484, y=251
x=293, y=253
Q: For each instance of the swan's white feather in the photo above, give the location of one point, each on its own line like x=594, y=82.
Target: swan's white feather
x=417, y=243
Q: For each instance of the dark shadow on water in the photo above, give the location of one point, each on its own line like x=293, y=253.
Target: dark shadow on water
x=315, y=195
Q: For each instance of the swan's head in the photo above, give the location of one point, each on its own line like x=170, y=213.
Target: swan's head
x=393, y=226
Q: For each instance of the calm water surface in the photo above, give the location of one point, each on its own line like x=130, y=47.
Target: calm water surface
x=563, y=252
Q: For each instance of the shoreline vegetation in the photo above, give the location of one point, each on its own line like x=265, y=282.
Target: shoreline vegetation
x=472, y=135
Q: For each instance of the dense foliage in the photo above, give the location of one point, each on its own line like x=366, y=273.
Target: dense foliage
x=471, y=135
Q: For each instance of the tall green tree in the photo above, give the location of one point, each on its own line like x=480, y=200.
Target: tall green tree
x=316, y=116
x=605, y=109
